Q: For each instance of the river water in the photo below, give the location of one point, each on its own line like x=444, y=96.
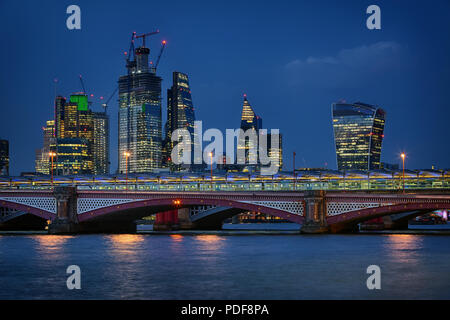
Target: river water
x=220, y=266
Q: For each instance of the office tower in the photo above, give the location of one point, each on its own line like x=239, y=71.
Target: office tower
x=59, y=116
x=42, y=164
x=358, y=135
x=249, y=121
x=74, y=132
x=72, y=156
x=140, y=131
x=275, y=152
x=4, y=157
x=101, y=143
x=180, y=114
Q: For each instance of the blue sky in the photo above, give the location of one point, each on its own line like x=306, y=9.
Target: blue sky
x=293, y=59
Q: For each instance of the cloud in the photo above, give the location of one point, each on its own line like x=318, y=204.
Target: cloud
x=349, y=67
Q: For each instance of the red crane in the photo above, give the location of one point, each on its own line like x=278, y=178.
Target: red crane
x=146, y=35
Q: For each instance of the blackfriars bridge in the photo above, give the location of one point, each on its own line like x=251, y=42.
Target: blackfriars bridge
x=68, y=210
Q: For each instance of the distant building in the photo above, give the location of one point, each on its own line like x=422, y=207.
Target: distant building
x=140, y=128
x=249, y=121
x=275, y=152
x=78, y=136
x=180, y=114
x=358, y=135
x=72, y=156
x=101, y=143
x=74, y=121
x=42, y=163
x=4, y=158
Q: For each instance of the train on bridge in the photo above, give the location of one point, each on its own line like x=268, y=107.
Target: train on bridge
x=283, y=181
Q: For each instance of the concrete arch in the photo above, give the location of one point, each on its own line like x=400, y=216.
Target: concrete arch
x=28, y=209
x=168, y=204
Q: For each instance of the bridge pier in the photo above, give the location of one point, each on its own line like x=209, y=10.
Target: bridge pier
x=66, y=221
x=315, y=213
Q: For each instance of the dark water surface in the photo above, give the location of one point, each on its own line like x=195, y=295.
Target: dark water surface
x=148, y=266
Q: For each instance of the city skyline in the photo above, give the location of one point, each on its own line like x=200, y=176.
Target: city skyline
x=413, y=125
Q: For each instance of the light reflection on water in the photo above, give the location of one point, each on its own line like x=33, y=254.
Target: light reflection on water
x=404, y=248
x=137, y=266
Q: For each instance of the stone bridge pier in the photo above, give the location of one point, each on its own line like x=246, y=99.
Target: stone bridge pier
x=66, y=220
x=315, y=213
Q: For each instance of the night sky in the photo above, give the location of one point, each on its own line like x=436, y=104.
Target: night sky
x=293, y=59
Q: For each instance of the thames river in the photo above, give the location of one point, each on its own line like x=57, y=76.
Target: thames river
x=221, y=266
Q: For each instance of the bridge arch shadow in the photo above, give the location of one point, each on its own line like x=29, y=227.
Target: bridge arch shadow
x=349, y=220
x=28, y=209
x=131, y=211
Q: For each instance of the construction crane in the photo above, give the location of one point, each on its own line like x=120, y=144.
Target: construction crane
x=163, y=45
x=82, y=84
x=105, y=105
x=131, y=50
x=84, y=90
x=145, y=35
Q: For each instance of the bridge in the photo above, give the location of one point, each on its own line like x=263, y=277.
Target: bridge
x=71, y=209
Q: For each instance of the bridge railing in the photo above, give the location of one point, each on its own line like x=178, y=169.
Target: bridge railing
x=288, y=185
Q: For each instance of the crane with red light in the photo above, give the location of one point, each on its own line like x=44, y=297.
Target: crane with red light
x=163, y=45
x=145, y=35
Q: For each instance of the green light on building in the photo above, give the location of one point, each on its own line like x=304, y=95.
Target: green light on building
x=81, y=100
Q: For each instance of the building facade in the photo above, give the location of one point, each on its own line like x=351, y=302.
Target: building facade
x=78, y=136
x=4, y=157
x=358, y=135
x=101, y=143
x=72, y=156
x=250, y=123
x=42, y=164
x=140, y=127
x=180, y=114
x=74, y=132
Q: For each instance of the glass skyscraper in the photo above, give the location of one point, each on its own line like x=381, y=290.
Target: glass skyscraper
x=140, y=127
x=249, y=121
x=42, y=155
x=74, y=120
x=78, y=136
x=180, y=114
x=101, y=143
x=358, y=135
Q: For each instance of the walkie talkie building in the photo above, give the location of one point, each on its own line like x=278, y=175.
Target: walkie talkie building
x=358, y=135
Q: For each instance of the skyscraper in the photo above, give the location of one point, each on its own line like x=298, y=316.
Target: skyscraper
x=275, y=152
x=140, y=128
x=180, y=114
x=101, y=143
x=4, y=157
x=358, y=135
x=75, y=121
x=42, y=164
x=74, y=138
x=249, y=121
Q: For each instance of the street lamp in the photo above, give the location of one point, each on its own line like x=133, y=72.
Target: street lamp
x=52, y=154
x=403, y=155
x=127, y=155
